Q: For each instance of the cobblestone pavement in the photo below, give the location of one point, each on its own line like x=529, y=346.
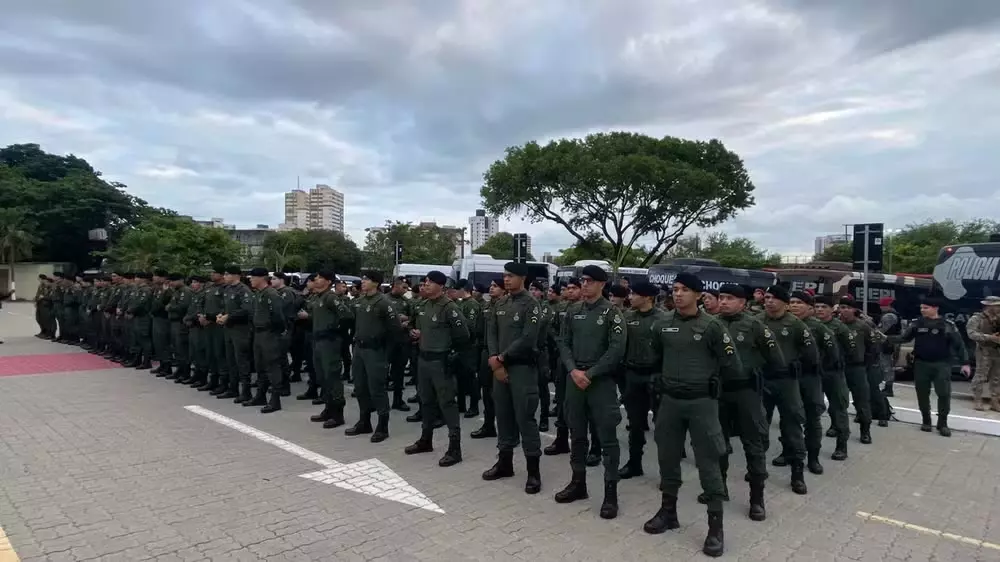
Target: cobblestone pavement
x=109, y=465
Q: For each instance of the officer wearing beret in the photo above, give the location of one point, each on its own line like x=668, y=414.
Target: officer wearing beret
x=856, y=370
x=471, y=355
x=269, y=324
x=291, y=302
x=641, y=365
x=139, y=306
x=488, y=429
x=545, y=315
x=399, y=347
x=176, y=309
x=591, y=347
x=214, y=334
x=235, y=320
x=834, y=382
x=196, y=334
x=160, y=323
x=512, y=330
x=327, y=310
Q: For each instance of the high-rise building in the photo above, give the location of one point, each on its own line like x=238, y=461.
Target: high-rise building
x=823, y=242
x=321, y=208
x=482, y=228
x=528, y=239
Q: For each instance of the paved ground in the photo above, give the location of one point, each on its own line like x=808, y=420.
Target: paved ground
x=109, y=465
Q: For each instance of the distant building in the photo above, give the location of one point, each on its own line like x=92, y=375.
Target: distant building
x=528, y=237
x=824, y=242
x=482, y=228
x=251, y=239
x=215, y=222
x=457, y=233
x=321, y=208
x=548, y=258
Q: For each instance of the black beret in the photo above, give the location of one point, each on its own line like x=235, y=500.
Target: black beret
x=42, y=276
x=734, y=290
x=259, y=272
x=58, y=275
x=128, y=275
x=196, y=279
x=374, y=275
x=712, y=292
x=462, y=284
x=281, y=275
x=931, y=301
x=497, y=283
x=480, y=288
x=594, y=272
x=644, y=289
x=399, y=280
x=516, y=268
x=437, y=278
x=619, y=291
x=311, y=277
x=850, y=303
x=572, y=282
x=327, y=274
x=161, y=272
x=175, y=277
x=689, y=280
x=803, y=296
x=823, y=299
x=143, y=275
x=221, y=270
x=233, y=270
x=778, y=292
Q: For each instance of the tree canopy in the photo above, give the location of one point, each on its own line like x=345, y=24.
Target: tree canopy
x=595, y=247
x=174, y=243
x=500, y=246
x=622, y=187
x=736, y=252
x=915, y=248
x=421, y=244
x=311, y=250
x=838, y=251
x=66, y=198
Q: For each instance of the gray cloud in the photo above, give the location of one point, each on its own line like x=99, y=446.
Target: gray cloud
x=844, y=111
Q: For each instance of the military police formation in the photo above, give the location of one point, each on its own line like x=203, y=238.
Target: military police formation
x=709, y=365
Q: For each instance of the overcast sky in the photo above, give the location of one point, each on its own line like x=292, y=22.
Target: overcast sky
x=844, y=110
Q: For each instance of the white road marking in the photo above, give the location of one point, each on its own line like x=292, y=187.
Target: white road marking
x=371, y=477
x=7, y=553
x=950, y=416
x=943, y=534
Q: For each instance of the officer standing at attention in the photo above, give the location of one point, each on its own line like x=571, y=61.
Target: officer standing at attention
x=328, y=312
x=215, y=340
x=235, y=320
x=512, y=330
x=439, y=329
x=291, y=301
x=139, y=305
x=781, y=388
x=936, y=342
x=740, y=407
x=269, y=324
x=302, y=357
x=196, y=334
x=177, y=309
x=811, y=382
x=399, y=348
x=488, y=429
x=545, y=315
x=982, y=329
x=855, y=370
x=834, y=381
x=592, y=347
x=695, y=354
x=641, y=365
x=160, y=323
x=470, y=358
x=376, y=323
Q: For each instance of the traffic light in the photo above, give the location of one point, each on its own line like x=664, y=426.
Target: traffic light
x=521, y=248
x=399, y=252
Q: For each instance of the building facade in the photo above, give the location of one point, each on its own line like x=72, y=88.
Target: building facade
x=823, y=242
x=482, y=228
x=320, y=208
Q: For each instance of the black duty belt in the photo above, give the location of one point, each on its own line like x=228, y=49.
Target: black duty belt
x=434, y=355
x=641, y=371
x=687, y=394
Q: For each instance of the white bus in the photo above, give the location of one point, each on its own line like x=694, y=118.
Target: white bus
x=481, y=269
x=633, y=274
x=415, y=272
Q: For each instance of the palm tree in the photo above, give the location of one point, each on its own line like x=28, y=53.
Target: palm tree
x=17, y=240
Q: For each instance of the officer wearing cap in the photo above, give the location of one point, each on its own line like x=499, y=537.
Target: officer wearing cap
x=139, y=306
x=57, y=305
x=235, y=319
x=495, y=292
x=545, y=315
x=982, y=329
x=439, y=329
x=855, y=369
x=196, y=334
x=641, y=365
x=291, y=302
x=619, y=296
x=376, y=322
x=302, y=351
x=811, y=381
x=160, y=323
x=470, y=356
x=328, y=311
x=695, y=354
x=512, y=329
x=399, y=346
x=121, y=327
x=591, y=346
x=781, y=388
x=176, y=309
x=936, y=343
x=214, y=335
x=269, y=323
x=43, y=306
x=834, y=381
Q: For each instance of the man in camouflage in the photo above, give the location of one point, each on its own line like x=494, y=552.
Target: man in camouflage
x=982, y=329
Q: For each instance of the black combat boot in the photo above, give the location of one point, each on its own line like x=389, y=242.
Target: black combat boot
x=666, y=518
x=925, y=424
x=633, y=467
x=473, y=411
x=887, y=390
x=286, y=389
x=543, y=424
x=813, y=463
x=200, y=378
x=169, y=371
x=609, y=507
x=259, y=397
x=504, y=467
x=183, y=375
x=210, y=384
x=594, y=456
x=161, y=368
x=220, y=388
x=274, y=404
x=561, y=445
x=714, y=543
x=575, y=490
x=144, y=364
x=533, y=484
x=422, y=445
x=840, y=452
x=780, y=460
x=416, y=417
x=244, y=394
x=757, y=510
x=487, y=430
x=381, y=429
x=799, y=478
x=322, y=416
x=336, y=418
x=399, y=404
x=453, y=455
x=866, y=434
x=942, y=426
x=363, y=427
x=130, y=361
x=832, y=432
x=309, y=394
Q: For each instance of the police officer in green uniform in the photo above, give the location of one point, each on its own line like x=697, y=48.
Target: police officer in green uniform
x=197, y=349
x=214, y=335
x=641, y=365
x=71, y=298
x=936, y=343
x=417, y=301
x=269, y=323
x=304, y=356
x=567, y=296
x=87, y=301
x=376, y=323
x=781, y=388
x=140, y=303
x=177, y=309
x=128, y=342
x=545, y=317
x=834, y=381
x=235, y=320
x=695, y=354
x=488, y=429
x=291, y=302
x=855, y=369
x=512, y=329
x=471, y=356
x=811, y=381
x=328, y=312
x=41, y=308
x=399, y=348
x=592, y=347
x=439, y=329
x=161, y=323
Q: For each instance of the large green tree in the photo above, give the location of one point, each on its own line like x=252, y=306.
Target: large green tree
x=595, y=247
x=915, y=248
x=838, y=252
x=311, y=250
x=175, y=243
x=421, y=244
x=68, y=199
x=736, y=252
x=500, y=246
x=621, y=186
x=17, y=241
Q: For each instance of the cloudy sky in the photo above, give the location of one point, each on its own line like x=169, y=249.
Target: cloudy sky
x=844, y=110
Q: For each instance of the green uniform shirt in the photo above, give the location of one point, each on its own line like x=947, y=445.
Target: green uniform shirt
x=179, y=304
x=473, y=312
x=328, y=311
x=140, y=300
x=640, y=350
x=593, y=338
x=196, y=306
x=376, y=320
x=238, y=304
x=795, y=340
x=291, y=302
x=160, y=298
x=512, y=328
x=826, y=340
x=695, y=353
x=755, y=344
x=268, y=311
x=546, y=315
x=859, y=332
x=215, y=300
x=442, y=326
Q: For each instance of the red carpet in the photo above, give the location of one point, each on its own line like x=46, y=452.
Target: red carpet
x=52, y=363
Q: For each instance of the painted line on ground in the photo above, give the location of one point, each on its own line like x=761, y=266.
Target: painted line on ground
x=928, y=531
x=7, y=553
x=950, y=416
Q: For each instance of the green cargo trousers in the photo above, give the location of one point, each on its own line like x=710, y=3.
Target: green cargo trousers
x=198, y=348
x=857, y=382
x=600, y=403
x=238, y=354
x=369, y=370
x=811, y=390
x=215, y=350
x=784, y=394
x=328, y=368
x=937, y=374
x=699, y=416
x=179, y=344
x=437, y=389
x=743, y=410
x=142, y=336
x=835, y=388
x=161, y=339
x=267, y=347
x=516, y=402
x=638, y=400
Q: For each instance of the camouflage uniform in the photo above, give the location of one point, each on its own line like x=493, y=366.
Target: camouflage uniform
x=981, y=328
